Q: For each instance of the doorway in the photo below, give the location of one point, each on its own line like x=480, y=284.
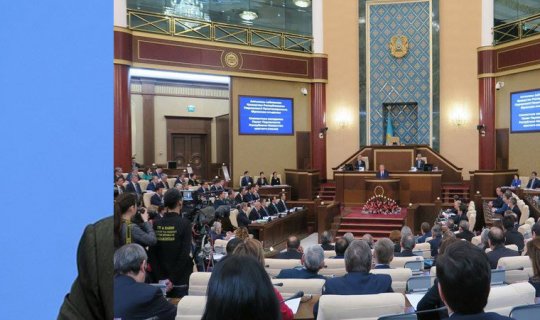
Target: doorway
x=190, y=149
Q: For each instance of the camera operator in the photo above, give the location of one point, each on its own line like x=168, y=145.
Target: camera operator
x=131, y=224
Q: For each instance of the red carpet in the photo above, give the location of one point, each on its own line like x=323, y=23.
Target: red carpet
x=356, y=212
x=378, y=225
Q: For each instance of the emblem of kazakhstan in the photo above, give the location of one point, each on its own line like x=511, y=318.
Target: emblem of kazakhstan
x=399, y=46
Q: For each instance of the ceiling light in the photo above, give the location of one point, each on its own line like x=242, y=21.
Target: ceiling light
x=180, y=76
x=248, y=15
x=302, y=3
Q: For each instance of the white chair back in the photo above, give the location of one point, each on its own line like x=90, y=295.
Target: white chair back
x=476, y=240
x=191, y=308
x=518, y=269
x=360, y=307
x=289, y=287
x=503, y=298
x=170, y=182
x=471, y=215
x=146, y=198
x=423, y=249
x=274, y=266
x=232, y=217
x=329, y=254
x=143, y=184
x=399, y=262
x=198, y=283
x=400, y=276
x=366, y=161
x=525, y=212
x=333, y=267
x=510, y=246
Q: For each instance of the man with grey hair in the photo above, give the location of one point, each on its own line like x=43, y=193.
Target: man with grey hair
x=383, y=253
x=326, y=240
x=369, y=239
x=435, y=242
x=358, y=280
x=134, y=299
x=406, y=231
x=464, y=232
x=407, y=246
x=349, y=236
x=312, y=261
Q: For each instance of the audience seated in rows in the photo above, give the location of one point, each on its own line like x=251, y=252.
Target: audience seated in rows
x=312, y=262
x=294, y=250
x=498, y=250
x=383, y=253
x=134, y=299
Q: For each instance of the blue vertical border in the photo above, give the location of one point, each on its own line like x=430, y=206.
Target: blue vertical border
x=435, y=110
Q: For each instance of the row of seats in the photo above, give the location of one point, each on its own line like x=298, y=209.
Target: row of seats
x=502, y=299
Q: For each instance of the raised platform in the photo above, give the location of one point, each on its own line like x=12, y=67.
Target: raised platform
x=378, y=225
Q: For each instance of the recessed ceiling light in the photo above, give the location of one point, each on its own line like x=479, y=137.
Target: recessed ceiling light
x=248, y=15
x=302, y=3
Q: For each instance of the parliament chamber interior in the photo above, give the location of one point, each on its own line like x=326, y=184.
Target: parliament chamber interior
x=317, y=159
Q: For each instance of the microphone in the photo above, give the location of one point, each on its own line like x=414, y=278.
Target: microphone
x=278, y=284
x=299, y=294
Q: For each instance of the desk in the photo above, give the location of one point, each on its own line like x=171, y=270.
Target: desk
x=414, y=187
x=269, y=191
x=304, y=183
x=276, y=232
x=390, y=188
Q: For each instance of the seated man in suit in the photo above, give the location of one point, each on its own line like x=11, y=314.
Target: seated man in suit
x=464, y=282
x=512, y=205
x=464, y=232
x=119, y=185
x=511, y=235
x=157, y=198
x=193, y=180
x=262, y=181
x=204, y=189
x=436, y=241
x=407, y=245
x=134, y=172
x=246, y=180
x=134, y=299
x=326, y=241
x=359, y=164
x=506, y=203
x=118, y=173
x=240, y=196
x=272, y=206
x=275, y=179
x=242, y=218
x=294, y=251
x=159, y=172
x=220, y=201
x=134, y=187
x=419, y=163
x=258, y=212
x=383, y=253
x=312, y=262
x=249, y=195
x=152, y=185
x=164, y=182
x=425, y=228
x=217, y=186
x=382, y=173
x=498, y=202
x=282, y=205
x=340, y=248
x=534, y=182
x=498, y=250
x=358, y=280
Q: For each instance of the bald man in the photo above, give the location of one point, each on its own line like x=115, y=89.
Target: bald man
x=498, y=250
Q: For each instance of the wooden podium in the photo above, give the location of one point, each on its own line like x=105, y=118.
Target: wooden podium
x=386, y=187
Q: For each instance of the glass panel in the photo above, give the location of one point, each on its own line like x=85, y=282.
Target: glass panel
x=511, y=10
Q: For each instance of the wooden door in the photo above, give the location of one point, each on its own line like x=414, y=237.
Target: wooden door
x=303, y=150
x=502, y=137
x=190, y=149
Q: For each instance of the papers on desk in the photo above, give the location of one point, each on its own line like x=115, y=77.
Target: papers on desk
x=293, y=304
x=218, y=256
x=414, y=298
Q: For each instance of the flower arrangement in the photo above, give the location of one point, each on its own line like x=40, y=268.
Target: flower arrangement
x=380, y=204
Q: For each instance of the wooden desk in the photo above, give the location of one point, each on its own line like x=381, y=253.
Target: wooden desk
x=276, y=232
x=304, y=183
x=390, y=188
x=415, y=187
x=270, y=191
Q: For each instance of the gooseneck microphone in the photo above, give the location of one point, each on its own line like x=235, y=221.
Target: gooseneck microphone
x=299, y=294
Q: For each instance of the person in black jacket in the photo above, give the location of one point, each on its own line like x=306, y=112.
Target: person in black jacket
x=246, y=180
x=511, y=235
x=262, y=181
x=170, y=257
x=242, y=218
x=512, y=204
x=498, y=250
x=464, y=232
x=134, y=299
x=435, y=242
x=326, y=241
x=407, y=246
x=275, y=181
x=294, y=251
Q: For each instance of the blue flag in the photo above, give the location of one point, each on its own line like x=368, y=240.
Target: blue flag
x=389, y=127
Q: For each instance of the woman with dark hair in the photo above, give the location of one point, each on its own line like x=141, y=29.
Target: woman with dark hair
x=253, y=248
x=125, y=231
x=240, y=288
x=533, y=251
x=148, y=174
x=516, y=182
x=275, y=181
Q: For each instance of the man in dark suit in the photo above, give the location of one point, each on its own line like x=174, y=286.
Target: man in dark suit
x=164, y=182
x=282, y=205
x=133, y=173
x=464, y=232
x=534, y=182
x=220, y=201
x=275, y=179
x=294, y=251
x=119, y=185
x=326, y=241
x=157, y=197
x=312, y=262
x=134, y=187
x=134, y=299
x=419, y=163
x=257, y=212
x=512, y=205
x=426, y=232
x=435, y=242
x=464, y=278
x=511, y=235
x=218, y=186
x=242, y=218
x=262, y=181
x=498, y=202
x=204, y=189
x=383, y=253
x=117, y=173
x=407, y=245
x=273, y=208
x=240, y=196
x=193, y=181
x=246, y=180
x=152, y=185
x=382, y=173
x=498, y=250
x=360, y=164
x=506, y=202
x=340, y=247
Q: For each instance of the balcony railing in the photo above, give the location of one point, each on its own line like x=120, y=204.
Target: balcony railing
x=517, y=29
x=218, y=32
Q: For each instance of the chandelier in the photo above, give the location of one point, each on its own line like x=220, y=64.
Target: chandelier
x=191, y=9
x=302, y=3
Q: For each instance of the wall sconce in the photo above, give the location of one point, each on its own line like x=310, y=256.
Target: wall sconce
x=459, y=117
x=343, y=119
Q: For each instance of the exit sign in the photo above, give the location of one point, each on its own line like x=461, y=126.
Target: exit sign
x=191, y=108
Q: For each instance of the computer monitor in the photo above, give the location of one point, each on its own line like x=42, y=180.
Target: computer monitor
x=187, y=195
x=171, y=165
x=428, y=167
